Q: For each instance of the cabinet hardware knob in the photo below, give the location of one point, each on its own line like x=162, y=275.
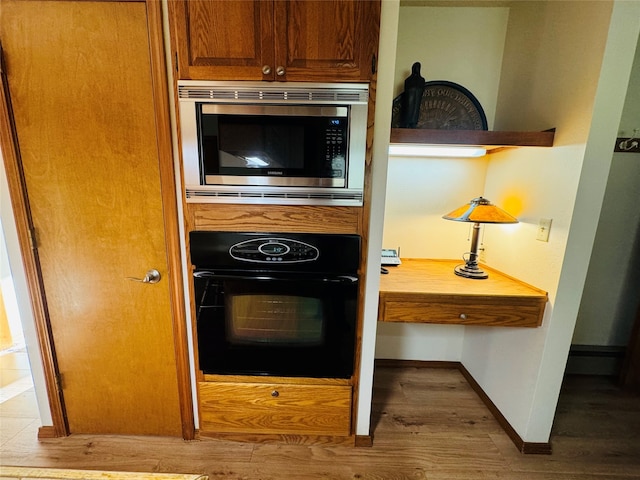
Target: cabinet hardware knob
x=463, y=316
x=266, y=69
x=152, y=276
x=275, y=393
x=280, y=71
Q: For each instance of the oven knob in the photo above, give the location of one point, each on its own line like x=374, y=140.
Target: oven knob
x=275, y=393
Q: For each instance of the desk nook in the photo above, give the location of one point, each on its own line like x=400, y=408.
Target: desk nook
x=428, y=291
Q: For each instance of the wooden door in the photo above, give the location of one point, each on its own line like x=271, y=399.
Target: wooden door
x=327, y=41
x=230, y=40
x=79, y=77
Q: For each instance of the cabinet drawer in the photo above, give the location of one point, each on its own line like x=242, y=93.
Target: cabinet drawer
x=275, y=408
x=515, y=312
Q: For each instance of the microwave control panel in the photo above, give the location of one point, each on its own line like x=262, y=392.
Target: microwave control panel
x=335, y=156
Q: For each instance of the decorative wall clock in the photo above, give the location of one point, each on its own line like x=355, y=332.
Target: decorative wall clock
x=445, y=106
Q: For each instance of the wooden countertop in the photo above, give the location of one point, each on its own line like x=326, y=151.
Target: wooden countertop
x=428, y=291
x=436, y=276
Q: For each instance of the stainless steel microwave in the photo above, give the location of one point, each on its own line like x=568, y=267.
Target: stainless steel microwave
x=281, y=143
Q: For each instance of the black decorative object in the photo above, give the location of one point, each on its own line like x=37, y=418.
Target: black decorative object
x=412, y=98
x=444, y=106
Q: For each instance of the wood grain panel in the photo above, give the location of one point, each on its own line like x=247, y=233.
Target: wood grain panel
x=257, y=408
x=207, y=377
x=274, y=218
x=594, y=437
x=170, y=213
x=327, y=40
x=490, y=139
x=428, y=291
x=24, y=227
x=79, y=75
x=285, y=439
x=322, y=41
x=442, y=309
x=228, y=40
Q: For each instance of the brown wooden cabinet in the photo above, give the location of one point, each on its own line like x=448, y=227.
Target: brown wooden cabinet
x=295, y=40
x=428, y=291
x=300, y=407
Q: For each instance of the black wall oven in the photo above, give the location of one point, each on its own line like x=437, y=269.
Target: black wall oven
x=276, y=304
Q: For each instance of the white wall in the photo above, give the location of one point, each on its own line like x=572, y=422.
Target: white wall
x=610, y=298
x=384, y=96
x=522, y=371
x=421, y=190
x=458, y=44
x=551, y=77
x=18, y=278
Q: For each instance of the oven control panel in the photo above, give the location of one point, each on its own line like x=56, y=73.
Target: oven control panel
x=274, y=250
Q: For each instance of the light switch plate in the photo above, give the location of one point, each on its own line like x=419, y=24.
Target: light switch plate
x=544, y=227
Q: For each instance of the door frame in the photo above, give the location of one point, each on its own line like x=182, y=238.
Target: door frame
x=24, y=225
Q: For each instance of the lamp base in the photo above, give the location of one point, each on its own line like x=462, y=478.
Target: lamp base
x=470, y=270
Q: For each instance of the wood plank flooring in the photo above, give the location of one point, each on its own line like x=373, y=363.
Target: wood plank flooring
x=427, y=424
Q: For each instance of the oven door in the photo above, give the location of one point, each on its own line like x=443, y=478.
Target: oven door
x=278, y=324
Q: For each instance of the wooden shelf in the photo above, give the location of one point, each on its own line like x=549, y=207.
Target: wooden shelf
x=427, y=291
x=492, y=141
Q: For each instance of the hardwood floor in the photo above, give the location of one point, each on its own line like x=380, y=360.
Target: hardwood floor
x=427, y=424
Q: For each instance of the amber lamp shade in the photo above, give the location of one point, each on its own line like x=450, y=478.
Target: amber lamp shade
x=477, y=211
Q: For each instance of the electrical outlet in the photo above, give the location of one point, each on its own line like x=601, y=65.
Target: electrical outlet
x=544, y=227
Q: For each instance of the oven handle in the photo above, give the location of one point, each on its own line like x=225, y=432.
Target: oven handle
x=266, y=276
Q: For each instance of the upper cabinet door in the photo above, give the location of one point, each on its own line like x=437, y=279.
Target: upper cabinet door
x=333, y=41
x=230, y=40
x=293, y=40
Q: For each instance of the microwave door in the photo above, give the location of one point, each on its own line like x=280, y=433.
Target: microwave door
x=294, y=146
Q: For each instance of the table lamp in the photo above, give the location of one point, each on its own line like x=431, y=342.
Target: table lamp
x=479, y=210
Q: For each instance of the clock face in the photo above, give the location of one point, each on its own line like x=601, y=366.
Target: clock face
x=445, y=106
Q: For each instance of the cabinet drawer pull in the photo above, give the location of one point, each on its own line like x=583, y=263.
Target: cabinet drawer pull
x=462, y=316
x=280, y=71
x=275, y=393
x=266, y=69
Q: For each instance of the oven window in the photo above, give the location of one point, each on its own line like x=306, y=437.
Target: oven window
x=285, y=320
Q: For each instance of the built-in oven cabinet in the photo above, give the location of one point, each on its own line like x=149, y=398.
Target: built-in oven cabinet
x=297, y=40
x=275, y=408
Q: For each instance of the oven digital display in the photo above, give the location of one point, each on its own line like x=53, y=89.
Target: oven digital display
x=274, y=248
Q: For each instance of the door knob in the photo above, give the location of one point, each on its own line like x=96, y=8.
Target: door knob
x=152, y=276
